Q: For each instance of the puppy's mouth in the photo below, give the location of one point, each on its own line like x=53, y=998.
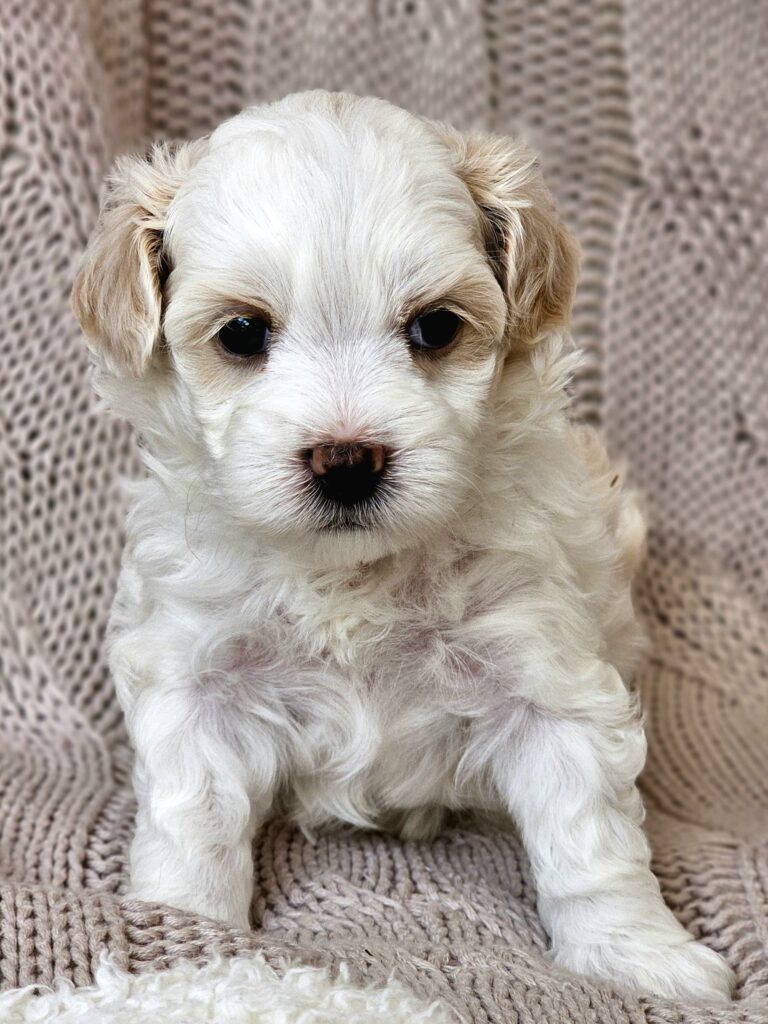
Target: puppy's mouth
x=332, y=518
x=350, y=525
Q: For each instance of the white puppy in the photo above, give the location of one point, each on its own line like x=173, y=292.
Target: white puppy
x=373, y=572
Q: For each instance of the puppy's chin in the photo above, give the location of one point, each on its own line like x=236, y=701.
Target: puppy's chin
x=330, y=539
x=344, y=546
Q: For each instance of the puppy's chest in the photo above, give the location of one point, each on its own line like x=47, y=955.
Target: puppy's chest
x=377, y=732
x=390, y=670
x=400, y=652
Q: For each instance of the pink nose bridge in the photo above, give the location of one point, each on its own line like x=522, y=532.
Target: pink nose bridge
x=349, y=400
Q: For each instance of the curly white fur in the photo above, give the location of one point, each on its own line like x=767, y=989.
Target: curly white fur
x=469, y=643
x=242, y=990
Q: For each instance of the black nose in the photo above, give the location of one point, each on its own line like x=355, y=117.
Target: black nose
x=347, y=473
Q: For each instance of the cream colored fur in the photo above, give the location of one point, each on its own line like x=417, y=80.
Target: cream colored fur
x=470, y=643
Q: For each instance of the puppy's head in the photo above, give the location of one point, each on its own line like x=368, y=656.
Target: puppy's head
x=316, y=302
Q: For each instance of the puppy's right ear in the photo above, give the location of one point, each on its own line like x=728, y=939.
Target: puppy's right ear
x=117, y=295
x=534, y=257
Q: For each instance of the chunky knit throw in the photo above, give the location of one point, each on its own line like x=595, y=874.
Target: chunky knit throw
x=653, y=121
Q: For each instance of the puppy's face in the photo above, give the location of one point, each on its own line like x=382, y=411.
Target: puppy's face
x=335, y=322
x=339, y=301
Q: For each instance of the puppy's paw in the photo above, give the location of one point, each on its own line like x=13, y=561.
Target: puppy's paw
x=687, y=971
x=222, y=911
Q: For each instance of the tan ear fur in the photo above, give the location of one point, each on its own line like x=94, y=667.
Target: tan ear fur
x=117, y=294
x=535, y=258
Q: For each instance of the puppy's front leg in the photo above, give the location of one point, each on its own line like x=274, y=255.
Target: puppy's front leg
x=568, y=779
x=193, y=868
x=199, y=806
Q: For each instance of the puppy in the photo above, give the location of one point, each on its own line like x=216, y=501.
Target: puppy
x=373, y=572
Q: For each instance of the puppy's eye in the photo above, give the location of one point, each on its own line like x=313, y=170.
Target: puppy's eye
x=433, y=330
x=245, y=336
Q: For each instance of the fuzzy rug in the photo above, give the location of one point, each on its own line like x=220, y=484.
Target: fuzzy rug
x=243, y=990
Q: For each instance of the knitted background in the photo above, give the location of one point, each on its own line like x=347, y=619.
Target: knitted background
x=653, y=120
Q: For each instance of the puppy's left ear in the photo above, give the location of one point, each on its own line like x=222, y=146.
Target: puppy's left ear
x=118, y=293
x=534, y=257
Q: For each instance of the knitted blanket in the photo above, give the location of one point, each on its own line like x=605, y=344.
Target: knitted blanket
x=653, y=122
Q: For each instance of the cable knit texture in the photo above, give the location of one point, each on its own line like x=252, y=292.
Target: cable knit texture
x=653, y=122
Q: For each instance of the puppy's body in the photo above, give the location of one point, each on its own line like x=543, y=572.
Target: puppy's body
x=391, y=682
x=463, y=638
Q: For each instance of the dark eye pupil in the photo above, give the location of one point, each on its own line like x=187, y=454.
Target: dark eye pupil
x=433, y=330
x=245, y=336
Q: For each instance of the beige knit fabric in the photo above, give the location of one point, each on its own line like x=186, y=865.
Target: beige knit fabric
x=654, y=124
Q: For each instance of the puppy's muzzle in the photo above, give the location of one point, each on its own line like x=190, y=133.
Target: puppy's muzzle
x=347, y=474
